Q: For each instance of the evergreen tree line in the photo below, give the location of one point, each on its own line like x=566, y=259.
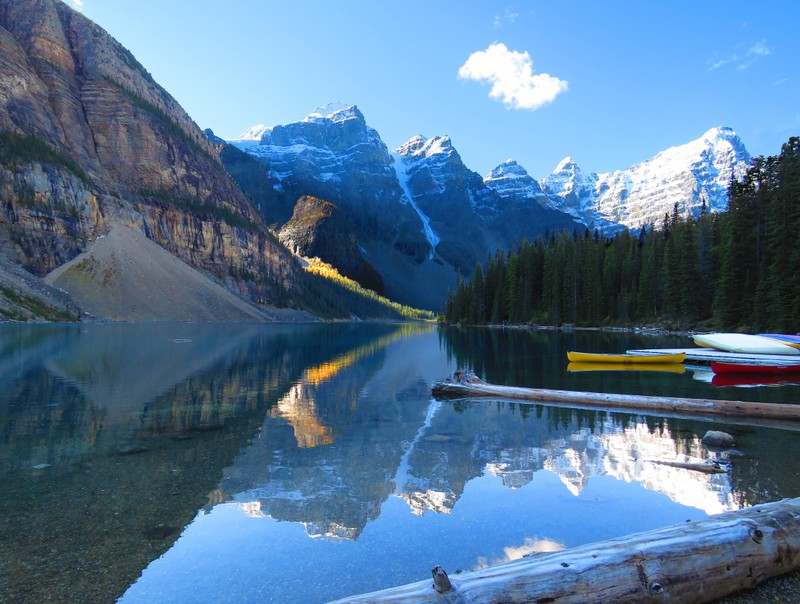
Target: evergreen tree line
x=327, y=293
x=737, y=270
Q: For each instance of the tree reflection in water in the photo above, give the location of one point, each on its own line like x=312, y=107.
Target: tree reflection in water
x=278, y=453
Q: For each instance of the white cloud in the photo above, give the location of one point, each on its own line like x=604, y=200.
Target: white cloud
x=759, y=49
x=511, y=75
x=740, y=60
x=508, y=17
x=77, y=4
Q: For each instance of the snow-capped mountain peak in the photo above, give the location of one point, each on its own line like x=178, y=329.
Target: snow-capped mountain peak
x=567, y=183
x=514, y=185
x=508, y=169
x=722, y=133
x=420, y=146
x=566, y=165
x=253, y=133
x=690, y=175
x=336, y=112
x=412, y=145
x=719, y=141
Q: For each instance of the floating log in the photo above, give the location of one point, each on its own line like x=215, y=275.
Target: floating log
x=706, y=468
x=693, y=562
x=464, y=384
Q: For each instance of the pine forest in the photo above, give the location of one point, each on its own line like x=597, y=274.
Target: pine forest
x=736, y=270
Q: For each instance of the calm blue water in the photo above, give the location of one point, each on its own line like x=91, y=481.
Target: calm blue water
x=304, y=463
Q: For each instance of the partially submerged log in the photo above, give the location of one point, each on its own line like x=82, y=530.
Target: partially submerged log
x=466, y=384
x=706, y=468
x=691, y=562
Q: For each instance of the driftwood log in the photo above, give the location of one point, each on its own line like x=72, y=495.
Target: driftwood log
x=463, y=384
x=706, y=468
x=691, y=562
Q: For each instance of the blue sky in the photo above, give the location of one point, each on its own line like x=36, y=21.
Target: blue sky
x=608, y=83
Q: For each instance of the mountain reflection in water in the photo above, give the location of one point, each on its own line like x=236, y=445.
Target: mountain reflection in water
x=246, y=463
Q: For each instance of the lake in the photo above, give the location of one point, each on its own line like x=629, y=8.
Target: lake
x=303, y=463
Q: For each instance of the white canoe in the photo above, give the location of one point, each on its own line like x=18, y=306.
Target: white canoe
x=744, y=343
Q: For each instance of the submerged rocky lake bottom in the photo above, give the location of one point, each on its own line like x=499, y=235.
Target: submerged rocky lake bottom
x=304, y=463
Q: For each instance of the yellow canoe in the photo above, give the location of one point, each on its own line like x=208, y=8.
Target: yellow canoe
x=584, y=366
x=626, y=359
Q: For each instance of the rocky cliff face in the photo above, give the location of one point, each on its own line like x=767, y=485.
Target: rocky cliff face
x=419, y=213
x=473, y=216
x=446, y=192
x=320, y=229
x=87, y=137
x=335, y=156
x=522, y=210
x=573, y=192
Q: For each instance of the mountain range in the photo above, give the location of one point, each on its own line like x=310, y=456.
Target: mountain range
x=102, y=171
x=418, y=211
x=690, y=176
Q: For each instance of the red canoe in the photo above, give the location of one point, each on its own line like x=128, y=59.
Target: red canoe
x=732, y=368
x=755, y=379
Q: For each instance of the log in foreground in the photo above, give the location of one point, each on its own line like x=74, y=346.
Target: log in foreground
x=691, y=562
x=466, y=384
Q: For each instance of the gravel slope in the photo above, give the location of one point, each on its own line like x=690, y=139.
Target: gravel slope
x=126, y=277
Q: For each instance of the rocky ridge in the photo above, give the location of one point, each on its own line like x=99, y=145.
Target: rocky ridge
x=691, y=176
x=421, y=217
x=333, y=155
x=320, y=229
x=88, y=139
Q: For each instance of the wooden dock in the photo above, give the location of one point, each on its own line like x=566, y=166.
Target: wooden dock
x=706, y=356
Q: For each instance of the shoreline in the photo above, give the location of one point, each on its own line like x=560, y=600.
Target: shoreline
x=642, y=329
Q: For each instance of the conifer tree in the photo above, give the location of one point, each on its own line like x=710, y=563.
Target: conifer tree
x=706, y=264
x=550, y=309
x=737, y=281
x=782, y=231
x=513, y=310
x=477, y=314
